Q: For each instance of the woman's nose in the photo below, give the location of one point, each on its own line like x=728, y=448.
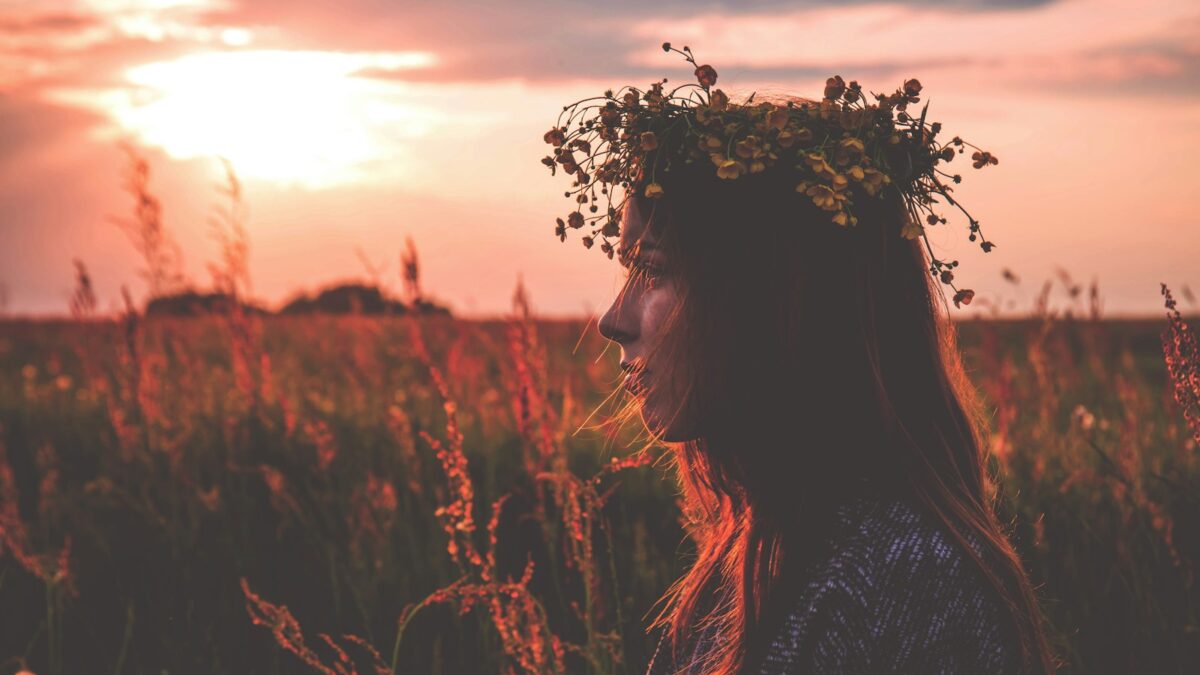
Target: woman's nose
x=618, y=322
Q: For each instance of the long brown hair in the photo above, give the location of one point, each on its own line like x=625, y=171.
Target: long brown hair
x=818, y=367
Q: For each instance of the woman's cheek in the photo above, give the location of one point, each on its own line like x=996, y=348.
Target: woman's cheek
x=658, y=302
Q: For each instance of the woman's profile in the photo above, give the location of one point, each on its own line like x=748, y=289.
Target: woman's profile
x=781, y=331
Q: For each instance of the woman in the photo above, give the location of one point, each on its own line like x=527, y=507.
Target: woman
x=825, y=439
x=812, y=361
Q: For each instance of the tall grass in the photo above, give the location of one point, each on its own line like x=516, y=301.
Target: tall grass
x=420, y=494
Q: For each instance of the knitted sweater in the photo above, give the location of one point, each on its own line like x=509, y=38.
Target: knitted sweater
x=896, y=595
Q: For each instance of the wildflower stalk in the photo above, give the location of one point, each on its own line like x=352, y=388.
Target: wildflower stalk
x=1181, y=352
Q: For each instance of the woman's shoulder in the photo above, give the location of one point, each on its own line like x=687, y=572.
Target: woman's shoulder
x=896, y=594
x=895, y=537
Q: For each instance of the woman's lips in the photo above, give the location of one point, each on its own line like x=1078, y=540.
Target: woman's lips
x=634, y=382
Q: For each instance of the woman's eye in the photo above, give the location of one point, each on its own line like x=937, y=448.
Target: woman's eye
x=648, y=271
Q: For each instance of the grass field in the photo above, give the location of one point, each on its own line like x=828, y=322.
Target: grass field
x=238, y=494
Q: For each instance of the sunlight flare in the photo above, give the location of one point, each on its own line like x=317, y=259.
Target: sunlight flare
x=306, y=117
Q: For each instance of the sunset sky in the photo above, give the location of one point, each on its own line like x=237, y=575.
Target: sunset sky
x=356, y=123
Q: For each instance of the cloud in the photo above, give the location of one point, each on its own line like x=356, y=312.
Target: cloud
x=1085, y=44
x=57, y=42
x=538, y=40
x=558, y=41
x=48, y=23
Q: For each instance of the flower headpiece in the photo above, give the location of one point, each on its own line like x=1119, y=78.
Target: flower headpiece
x=839, y=150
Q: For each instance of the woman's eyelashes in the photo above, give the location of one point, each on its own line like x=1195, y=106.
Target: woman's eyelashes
x=645, y=270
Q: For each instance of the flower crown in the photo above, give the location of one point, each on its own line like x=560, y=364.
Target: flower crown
x=837, y=149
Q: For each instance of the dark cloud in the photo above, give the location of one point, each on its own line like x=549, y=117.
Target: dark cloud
x=692, y=7
x=565, y=12
x=537, y=40
x=46, y=23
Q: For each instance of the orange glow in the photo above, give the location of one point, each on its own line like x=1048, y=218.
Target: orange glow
x=357, y=123
x=285, y=116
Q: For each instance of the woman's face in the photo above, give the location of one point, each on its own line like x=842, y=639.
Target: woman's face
x=634, y=321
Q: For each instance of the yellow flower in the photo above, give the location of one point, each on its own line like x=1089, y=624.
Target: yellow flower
x=816, y=162
x=848, y=151
x=718, y=100
x=730, y=169
x=839, y=182
x=713, y=142
x=839, y=218
x=654, y=190
x=649, y=140
x=912, y=229
x=777, y=118
x=823, y=197
x=853, y=147
x=853, y=144
x=802, y=186
x=856, y=172
x=873, y=180
x=757, y=166
x=748, y=148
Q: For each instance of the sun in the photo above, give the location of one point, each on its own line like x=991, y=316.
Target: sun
x=309, y=117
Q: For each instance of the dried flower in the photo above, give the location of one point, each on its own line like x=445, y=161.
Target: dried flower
x=982, y=158
x=834, y=87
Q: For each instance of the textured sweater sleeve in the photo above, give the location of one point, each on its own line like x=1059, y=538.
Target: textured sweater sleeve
x=936, y=611
x=898, y=597
x=831, y=632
